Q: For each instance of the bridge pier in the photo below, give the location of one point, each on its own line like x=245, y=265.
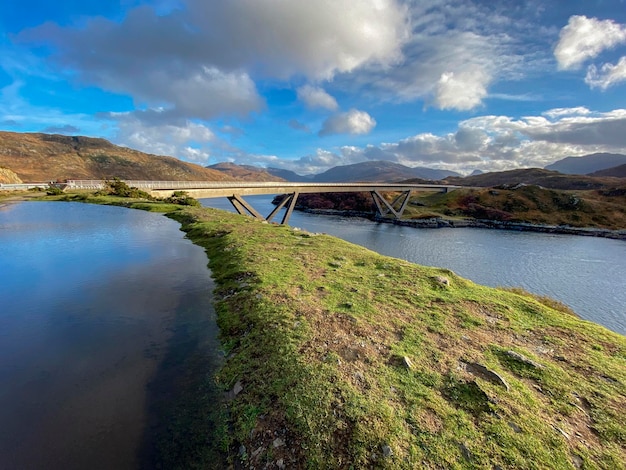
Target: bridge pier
x=243, y=207
x=385, y=208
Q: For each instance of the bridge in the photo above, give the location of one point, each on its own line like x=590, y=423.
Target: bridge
x=235, y=191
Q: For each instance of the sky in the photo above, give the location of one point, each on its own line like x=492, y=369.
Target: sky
x=306, y=85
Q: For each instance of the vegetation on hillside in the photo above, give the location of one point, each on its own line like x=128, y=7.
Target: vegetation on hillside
x=535, y=176
x=531, y=204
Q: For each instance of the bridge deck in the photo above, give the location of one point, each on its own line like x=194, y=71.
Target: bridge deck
x=235, y=190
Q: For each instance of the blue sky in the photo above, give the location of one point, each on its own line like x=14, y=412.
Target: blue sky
x=307, y=85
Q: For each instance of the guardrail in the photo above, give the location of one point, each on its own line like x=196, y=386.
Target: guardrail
x=21, y=186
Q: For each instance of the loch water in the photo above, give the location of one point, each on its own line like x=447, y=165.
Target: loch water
x=95, y=302
x=586, y=273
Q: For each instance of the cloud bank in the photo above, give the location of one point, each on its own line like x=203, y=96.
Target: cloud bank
x=489, y=143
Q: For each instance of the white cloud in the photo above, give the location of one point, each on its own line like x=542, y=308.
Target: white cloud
x=462, y=91
x=316, y=39
x=316, y=97
x=608, y=75
x=561, y=112
x=585, y=38
x=186, y=140
x=350, y=122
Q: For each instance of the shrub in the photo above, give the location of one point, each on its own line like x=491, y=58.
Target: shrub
x=54, y=190
x=182, y=199
x=117, y=187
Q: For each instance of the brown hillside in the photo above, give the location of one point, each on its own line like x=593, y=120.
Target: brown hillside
x=616, y=172
x=47, y=157
x=8, y=177
x=535, y=176
x=244, y=172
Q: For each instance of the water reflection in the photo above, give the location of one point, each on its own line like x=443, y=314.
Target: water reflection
x=90, y=298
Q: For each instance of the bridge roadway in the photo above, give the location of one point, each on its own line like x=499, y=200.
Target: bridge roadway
x=235, y=190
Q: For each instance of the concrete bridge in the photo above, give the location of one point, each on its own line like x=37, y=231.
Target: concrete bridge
x=235, y=191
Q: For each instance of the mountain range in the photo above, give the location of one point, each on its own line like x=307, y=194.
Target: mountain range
x=34, y=157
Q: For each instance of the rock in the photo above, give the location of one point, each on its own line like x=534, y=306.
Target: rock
x=465, y=452
x=514, y=427
x=521, y=358
x=485, y=373
x=577, y=461
x=387, y=451
x=443, y=281
x=257, y=451
x=280, y=463
x=236, y=390
x=278, y=442
x=242, y=451
x=407, y=362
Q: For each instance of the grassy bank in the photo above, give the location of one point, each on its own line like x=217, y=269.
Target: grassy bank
x=342, y=358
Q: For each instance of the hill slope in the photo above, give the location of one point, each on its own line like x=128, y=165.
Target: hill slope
x=535, y=176
x=588, y=163
x=288, y=175
x=45, y=157
x=8, y=176
x=616, y=172
x=244, y=172
x=379, y=171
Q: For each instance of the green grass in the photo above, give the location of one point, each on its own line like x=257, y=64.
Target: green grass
x=317, y=328
x=316, y=331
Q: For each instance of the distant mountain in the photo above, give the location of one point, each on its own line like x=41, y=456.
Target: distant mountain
x=379, y=171
x=477, y=172
x=46, y=157
x=588, y=163
x=616, y=171
x=535, y=176
x=288, y=175
x=244, y=172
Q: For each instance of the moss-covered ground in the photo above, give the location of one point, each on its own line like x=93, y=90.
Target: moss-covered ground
x=338, y=357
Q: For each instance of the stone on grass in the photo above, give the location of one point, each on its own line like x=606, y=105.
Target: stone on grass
x=523, y=359
x=485, y=373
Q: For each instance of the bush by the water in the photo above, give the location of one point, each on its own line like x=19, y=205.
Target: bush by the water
x=182, y=199
x=53, y=190
x=117, y=187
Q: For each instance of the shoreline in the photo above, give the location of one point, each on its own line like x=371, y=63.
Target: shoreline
x=441, y=222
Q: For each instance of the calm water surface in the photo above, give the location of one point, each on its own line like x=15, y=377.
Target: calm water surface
x=586, y=273
x=90, y=300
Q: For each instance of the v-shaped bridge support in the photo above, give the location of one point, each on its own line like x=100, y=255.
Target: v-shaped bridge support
x=243, y=207
x=385, y=208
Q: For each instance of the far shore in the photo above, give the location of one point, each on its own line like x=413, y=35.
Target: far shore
x=443, y=222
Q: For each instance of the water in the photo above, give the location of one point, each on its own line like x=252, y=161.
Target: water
x=92, y=299
x=586, y=273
